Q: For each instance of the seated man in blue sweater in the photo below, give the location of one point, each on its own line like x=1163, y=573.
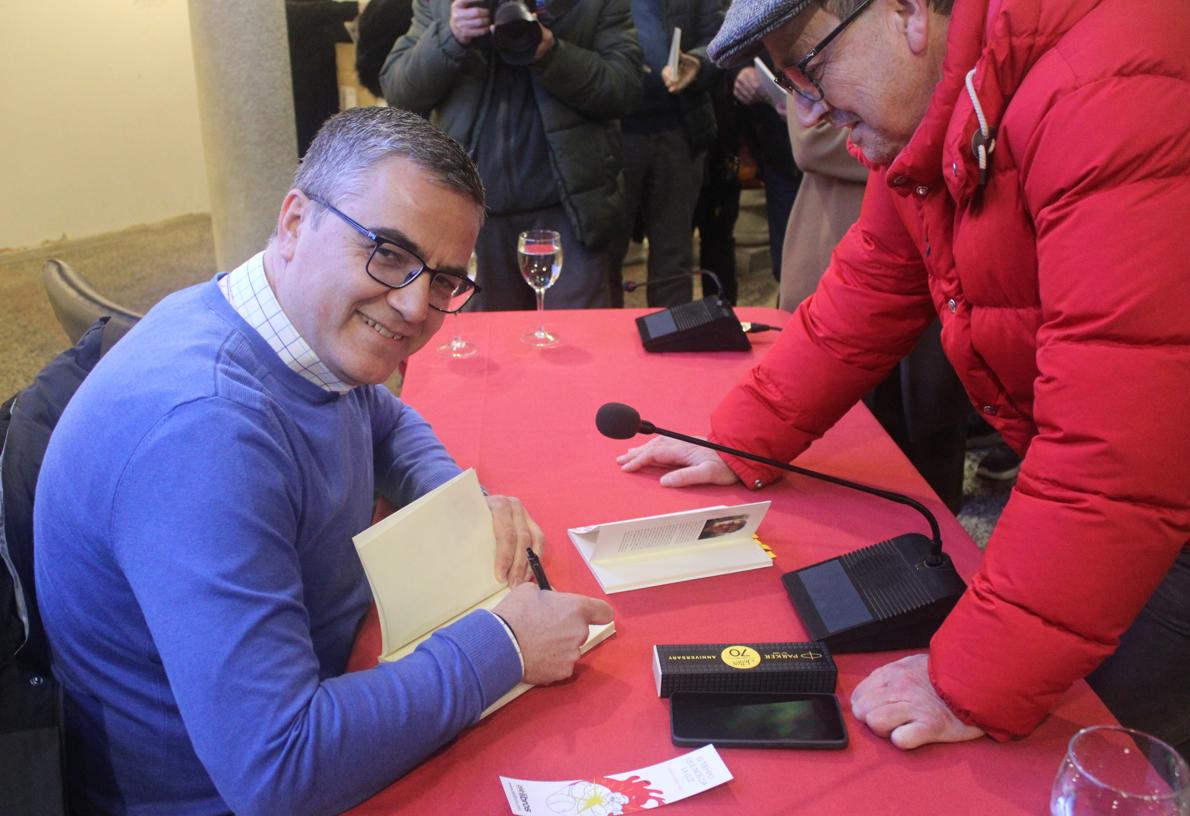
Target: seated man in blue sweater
x=195, y=510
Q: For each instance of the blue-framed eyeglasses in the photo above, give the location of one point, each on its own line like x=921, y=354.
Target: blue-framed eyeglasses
x=397, y=266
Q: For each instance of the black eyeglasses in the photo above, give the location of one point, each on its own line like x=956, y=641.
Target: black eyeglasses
x=396, y=266
x=812, y=92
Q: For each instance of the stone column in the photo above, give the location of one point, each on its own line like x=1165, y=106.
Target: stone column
x=245, y=105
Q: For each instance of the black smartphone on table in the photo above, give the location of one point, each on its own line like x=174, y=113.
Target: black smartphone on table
x=736, y=720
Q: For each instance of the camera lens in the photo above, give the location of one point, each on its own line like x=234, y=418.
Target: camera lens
x=516, y=34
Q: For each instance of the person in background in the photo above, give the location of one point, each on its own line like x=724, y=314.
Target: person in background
x=380, y=23
x=665, y=145
x=761, y=121
x=539, y=113
x=1029, y=183
x=195, y=510
x=718, y=204
x=827, y=204
x=314, y=26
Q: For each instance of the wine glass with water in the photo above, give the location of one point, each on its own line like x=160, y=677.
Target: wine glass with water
x=1114, y=771
x=539, y=256
x=458, y=347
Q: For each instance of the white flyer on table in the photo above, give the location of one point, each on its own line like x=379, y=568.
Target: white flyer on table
x=628, y=792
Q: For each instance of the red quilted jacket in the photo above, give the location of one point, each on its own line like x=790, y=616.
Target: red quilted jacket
x=1063, y=286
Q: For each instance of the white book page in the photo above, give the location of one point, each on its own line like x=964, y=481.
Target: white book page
x=623, y=575
x=655, y=550
x=407, y=648
x=431, y=561
x=693, y=529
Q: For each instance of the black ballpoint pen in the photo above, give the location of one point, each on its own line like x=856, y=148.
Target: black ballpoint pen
x=538, y=570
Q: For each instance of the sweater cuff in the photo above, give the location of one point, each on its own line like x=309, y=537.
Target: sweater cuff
x=515, y=643
x=483, y=638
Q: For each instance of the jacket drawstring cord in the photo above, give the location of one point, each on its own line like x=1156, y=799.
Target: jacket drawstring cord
x=984, y=140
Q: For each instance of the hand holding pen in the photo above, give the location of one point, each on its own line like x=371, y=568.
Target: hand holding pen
x=549, y=627
x=538, y=570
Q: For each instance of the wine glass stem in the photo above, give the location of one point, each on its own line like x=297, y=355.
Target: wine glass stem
x=541, y=310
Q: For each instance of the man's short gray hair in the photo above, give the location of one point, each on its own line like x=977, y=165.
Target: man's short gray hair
x=350, y=143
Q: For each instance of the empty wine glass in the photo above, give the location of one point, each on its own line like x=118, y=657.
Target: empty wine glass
x=1117, y=771
x=539, y=256
x=457, y=347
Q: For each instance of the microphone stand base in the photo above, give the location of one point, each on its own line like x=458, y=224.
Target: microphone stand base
x=703, y=325
x=881, y=597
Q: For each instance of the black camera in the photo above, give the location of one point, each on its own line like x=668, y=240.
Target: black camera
x=515, y=32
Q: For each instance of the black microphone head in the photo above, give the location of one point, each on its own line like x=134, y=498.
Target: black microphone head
x=617, y=420
x=629, y=286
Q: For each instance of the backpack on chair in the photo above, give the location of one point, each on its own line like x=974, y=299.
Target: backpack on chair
x=31, y=769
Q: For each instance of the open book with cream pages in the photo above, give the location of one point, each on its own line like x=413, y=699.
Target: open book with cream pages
x=664, y=549
x=431, y=563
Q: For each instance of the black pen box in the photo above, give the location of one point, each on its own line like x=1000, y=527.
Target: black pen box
x=756, y=667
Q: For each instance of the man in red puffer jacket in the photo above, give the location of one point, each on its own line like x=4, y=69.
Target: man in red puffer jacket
x=1031, y=186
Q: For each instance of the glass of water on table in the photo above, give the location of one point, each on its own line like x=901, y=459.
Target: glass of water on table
x=1114, y=771
x=458, y=347
x=539, y=256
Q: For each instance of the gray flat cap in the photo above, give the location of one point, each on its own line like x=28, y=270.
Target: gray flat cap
x=746, y=23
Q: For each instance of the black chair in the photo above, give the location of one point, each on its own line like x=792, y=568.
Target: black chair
x=31, y=722
x=77, y=304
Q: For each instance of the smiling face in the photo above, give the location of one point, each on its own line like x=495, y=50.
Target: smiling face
x=359, y=328
x=878, y=75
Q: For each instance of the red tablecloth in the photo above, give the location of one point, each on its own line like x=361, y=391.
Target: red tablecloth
x=524, y=418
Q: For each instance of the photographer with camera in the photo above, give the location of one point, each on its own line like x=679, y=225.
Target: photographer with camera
x=535, y=93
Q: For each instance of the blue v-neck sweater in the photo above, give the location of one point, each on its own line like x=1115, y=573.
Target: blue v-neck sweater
x=200, y=589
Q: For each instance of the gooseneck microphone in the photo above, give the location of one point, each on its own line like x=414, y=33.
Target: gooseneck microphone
x=891, y=595
x=620, y=421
